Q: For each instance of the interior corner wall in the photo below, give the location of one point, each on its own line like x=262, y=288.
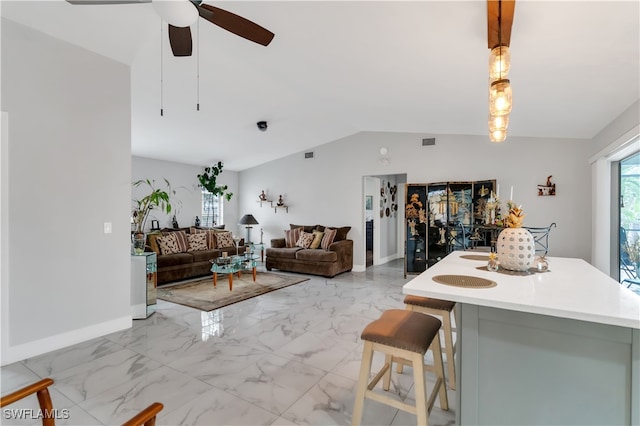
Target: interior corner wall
x=69, y=169
x=187, y=201
x=327, y=189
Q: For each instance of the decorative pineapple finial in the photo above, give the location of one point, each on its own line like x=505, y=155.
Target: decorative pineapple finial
x=515, y=217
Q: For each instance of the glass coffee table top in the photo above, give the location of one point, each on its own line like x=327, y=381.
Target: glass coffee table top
x=233, y=265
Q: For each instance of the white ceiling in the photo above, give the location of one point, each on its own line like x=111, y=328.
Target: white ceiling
x=336, y=68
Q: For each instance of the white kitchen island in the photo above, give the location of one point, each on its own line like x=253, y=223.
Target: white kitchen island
x=559, y=347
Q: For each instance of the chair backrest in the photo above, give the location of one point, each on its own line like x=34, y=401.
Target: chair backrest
x=541, y=238
x=41, y=389
x=146, y=417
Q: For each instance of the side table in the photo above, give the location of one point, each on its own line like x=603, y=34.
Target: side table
x=144, y=283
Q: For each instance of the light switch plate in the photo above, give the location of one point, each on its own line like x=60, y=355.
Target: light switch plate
x=107, y=227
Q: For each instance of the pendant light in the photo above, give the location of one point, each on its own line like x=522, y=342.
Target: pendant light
x=500, y=94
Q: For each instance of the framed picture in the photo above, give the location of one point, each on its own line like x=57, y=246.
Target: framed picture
x=368, y=202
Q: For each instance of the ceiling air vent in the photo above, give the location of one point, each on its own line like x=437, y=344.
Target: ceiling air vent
x=308, y=154
x=428, y=141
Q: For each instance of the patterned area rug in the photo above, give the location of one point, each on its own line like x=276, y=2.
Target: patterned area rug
x=202, y=295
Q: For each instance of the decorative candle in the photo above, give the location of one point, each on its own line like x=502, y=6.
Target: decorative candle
x=511, y=196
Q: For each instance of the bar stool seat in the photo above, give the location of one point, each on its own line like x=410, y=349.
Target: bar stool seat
x=442, y=309
x=404, y=337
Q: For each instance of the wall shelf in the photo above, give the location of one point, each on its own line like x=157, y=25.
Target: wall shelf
x=276, y=207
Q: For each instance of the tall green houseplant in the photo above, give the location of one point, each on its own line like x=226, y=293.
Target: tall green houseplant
x=157, y=198
x=208, y=180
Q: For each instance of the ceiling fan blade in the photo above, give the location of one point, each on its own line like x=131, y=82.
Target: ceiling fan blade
x=236, y=24
x=85, y=2
x=180, y=40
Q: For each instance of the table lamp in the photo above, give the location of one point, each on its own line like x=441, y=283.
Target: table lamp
x=248, y=220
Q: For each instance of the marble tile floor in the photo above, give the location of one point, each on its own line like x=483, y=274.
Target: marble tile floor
x=289, y=357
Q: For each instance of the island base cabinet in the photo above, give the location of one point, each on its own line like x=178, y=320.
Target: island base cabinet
x=523, y=369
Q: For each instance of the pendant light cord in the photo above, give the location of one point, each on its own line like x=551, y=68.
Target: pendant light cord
x=198, y=66
x=161, y=72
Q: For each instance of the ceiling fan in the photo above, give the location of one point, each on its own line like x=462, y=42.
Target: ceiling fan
x=182, y=13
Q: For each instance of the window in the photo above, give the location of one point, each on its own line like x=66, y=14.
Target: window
x=211, y=210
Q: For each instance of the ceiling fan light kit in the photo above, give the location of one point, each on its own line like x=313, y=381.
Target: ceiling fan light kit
x=179, y=13
x=500, y=93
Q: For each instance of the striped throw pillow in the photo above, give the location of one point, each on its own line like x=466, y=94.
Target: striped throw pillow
x=181, y=238
x=291, y=237
x=327, y=238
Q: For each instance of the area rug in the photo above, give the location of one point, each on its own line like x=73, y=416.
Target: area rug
x=202, y=295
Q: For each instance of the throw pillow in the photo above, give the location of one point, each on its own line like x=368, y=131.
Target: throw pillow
x=305, y=240
x=181, y=238
x=197, y=241
x=152, y=239
x=291, y=237
x=168, y=244
x=328, y=237
x=317, y=239
x=224, y=239
x=341, y=232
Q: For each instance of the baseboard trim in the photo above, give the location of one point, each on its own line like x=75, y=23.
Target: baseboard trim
x=17, y=353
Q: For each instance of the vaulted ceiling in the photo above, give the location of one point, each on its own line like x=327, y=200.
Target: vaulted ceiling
x=336, y=68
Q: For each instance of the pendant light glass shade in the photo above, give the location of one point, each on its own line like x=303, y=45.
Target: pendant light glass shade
x=498, y=135
x=499, y=62
x=498, y=122
x=500, y=101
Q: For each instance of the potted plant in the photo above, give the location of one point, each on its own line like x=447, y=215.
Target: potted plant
x=208, y=182
x=156, y=198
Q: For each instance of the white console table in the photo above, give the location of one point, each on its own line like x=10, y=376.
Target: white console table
x=143, y=284
x=559, y=347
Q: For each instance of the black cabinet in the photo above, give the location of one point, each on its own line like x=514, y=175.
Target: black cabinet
x=369, y=235
x=438, y=217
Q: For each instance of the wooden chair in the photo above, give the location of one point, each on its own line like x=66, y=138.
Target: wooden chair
x=146, y=417
x=41, y=389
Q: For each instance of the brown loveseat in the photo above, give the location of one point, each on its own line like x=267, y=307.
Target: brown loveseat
x=336, y=257
x=188, y=262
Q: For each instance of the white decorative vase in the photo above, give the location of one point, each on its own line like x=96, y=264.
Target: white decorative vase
x=516, y=249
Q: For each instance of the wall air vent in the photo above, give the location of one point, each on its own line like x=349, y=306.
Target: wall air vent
x=308, y=154
x=428, y=141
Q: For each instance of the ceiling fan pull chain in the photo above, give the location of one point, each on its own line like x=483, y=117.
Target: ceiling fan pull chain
x=161, y=73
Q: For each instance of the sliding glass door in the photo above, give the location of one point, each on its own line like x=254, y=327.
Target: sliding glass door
x=630, y=221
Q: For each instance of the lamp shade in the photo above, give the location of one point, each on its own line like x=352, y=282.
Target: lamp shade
x=248, y=219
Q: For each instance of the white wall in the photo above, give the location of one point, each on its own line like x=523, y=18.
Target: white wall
x=187, y=202
x=328, y=189
x=66, y=171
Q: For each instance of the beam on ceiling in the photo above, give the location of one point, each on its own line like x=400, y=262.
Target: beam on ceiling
x=493, y=29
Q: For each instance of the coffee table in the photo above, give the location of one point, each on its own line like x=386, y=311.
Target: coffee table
x=233, y=265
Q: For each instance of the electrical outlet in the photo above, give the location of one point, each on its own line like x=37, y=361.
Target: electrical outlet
x=107, y=227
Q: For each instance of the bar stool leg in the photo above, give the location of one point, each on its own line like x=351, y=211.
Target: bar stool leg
x=420, y=389
x=439, y=368
x=386, y=382
x=363, y=380
x=449, y=350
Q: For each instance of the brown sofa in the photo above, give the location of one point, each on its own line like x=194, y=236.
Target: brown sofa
x=316, y=261
x=184, y=265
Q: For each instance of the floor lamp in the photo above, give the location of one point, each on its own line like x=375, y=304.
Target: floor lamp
x=248, y=220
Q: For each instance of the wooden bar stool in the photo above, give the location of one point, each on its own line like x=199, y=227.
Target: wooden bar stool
x=442, y=309
x=404, y=337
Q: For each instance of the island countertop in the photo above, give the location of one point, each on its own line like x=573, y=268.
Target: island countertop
x=571, y=288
